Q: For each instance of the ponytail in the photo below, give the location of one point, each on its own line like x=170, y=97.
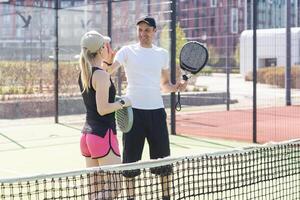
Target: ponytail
x=85, y=67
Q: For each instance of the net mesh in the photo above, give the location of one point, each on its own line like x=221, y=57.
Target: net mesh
x=265, y=172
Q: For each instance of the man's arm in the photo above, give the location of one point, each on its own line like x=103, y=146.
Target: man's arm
x=166, y=84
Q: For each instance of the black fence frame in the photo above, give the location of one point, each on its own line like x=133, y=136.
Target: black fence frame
x=173, y=58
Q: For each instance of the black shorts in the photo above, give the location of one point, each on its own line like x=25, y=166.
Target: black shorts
x=150, y=125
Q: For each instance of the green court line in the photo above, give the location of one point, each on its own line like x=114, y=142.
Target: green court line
x=13, y=141
x=41, y=146
x=205, y=141
x=46, y=138
x=178, y=145
x=70, y=126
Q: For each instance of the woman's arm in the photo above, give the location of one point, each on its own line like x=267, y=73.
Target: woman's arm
x=101, y=83
x=113, y=67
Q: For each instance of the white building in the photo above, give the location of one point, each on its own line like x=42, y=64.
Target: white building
x=271, y=48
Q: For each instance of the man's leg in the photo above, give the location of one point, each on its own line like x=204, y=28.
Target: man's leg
x=159, y=144
x=133, y=144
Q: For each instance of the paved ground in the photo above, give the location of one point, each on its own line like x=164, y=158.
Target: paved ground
x=241, y=90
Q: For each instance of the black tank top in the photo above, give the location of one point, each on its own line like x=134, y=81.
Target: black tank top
x=95, y=123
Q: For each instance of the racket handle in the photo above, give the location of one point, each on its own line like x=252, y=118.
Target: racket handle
x=185, y=77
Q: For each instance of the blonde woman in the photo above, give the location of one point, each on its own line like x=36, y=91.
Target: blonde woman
x=98, y=144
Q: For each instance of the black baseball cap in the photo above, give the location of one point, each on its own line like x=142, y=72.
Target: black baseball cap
x=148, y=20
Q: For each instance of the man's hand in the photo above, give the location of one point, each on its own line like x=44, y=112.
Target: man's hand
x=179, y=86
x=182, y=85
x=174, y=87
x=167, y=86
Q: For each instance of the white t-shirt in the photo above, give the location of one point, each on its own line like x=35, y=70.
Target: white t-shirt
x=143, y=68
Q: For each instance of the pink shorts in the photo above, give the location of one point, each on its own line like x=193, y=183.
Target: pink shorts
x=95, y=146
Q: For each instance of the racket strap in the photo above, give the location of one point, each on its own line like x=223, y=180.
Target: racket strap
x=178, y=104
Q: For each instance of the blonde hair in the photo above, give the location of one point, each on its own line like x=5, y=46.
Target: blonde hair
x=86, y=68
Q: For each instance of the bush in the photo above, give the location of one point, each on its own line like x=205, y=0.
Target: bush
x=295, y=77
x=261, y=75
x=207, y=70
x=23, y=77
x=249, y=76
x=276, y=76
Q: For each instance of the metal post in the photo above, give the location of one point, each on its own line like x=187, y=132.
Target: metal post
x=56, y=53
x=148, y=7
x=288, y=55
x=227, y=65
x=173, y=65
x=85, y=15
x=109, y=32
x=254, y=15
x=109, y=15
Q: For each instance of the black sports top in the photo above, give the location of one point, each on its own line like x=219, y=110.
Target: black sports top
x=95, y=123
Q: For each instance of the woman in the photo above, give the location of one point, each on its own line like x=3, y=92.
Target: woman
x=99, y=144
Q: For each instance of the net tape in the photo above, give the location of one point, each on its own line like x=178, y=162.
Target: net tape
x=263, y=172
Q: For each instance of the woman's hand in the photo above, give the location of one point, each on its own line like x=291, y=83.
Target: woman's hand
x=108, y=54
x=127, y=101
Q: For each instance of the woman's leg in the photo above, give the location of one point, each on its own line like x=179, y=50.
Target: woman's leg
x=103, y=151
x=108, y=182
x=93, y=179
x=89, y=162
x=112, y=183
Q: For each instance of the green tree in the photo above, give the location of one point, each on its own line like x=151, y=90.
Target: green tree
x=180, y=39
x=214, y=57
x=237, y=55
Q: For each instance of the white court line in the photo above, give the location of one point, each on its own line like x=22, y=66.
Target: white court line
x=11, y=171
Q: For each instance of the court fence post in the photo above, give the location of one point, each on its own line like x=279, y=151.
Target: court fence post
x=254, y=127
x=56, y=64
x=173, y=66
x=288, y=55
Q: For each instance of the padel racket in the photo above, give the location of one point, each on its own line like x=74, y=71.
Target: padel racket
x=124, y=118
x=193, y=58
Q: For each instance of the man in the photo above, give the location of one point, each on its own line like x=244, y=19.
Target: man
x=147, y=70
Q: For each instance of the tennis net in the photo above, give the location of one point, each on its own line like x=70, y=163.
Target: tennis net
x=270, y=171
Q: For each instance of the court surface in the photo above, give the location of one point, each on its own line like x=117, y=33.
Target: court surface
x=273, y=124
x=37, y=146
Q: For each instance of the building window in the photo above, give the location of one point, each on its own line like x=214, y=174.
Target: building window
x=19, y=33
x=19, y=2
x=66, y=4
x=234, y=20
x=196, y=3
x=213, y=3
x=6, y=32
x=240, y=3
x=131, y=6
x=79, y=3
x=6, y=19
